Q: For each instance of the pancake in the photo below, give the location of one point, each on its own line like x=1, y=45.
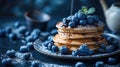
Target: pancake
x=88, y=41
x=80, y=29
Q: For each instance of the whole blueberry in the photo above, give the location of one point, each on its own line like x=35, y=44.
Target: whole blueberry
x=49, y=47
x=13, y=36
x=8, y=30
x=112, y=61
x=29, y=39
x=35, y=37
x=83, y=22
x=83, y=50
x=37, y=31
x=90, y=20
x=22, y=29
x=35, y=64
x=46, y=43
x=65, y=21
x=26, y=56
x=91, y=52
x=99, y=64
x=71, y=24
x=75, y=53
x=7, y=62
x=64, y=50
x=69, y=18
x=81, y=15
x=17, y=24
x=109, y=48
x=11, y=53
x=80, y=64
x=23, y=49
x=30, y=45
x=54, y=48
x=75, y=19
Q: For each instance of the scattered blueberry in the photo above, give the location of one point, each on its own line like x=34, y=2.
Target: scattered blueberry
x=7, y=62
x=83, y=22
x=29, y=39
x=71, y=24
x=50, y=38
x=22, y=29
x=75, y=53
x=13, y=36
x=37, y=31
x=83, y=50
x=35, y=64
x=10, y=53
x=27, y=33
x=112, y=61
x=17, y=24
x=50, y=45
x=54, y=48
x=69, y=18
x=54, y=31
x=64, y=50
x=23, y=49
x=81, y=15
x=26, y=56
x=90, y=19
x=99, y=64
x=80, y=64
x=30, y=45
x=46, y=43
x=109, y=48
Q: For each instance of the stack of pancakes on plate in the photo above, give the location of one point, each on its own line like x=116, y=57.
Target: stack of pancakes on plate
x=73, y=38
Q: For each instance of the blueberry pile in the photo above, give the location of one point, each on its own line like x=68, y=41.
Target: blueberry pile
x=80, y=18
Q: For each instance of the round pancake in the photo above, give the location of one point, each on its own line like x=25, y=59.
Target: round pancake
x=88, y=41
x=80, y=29
x=71, y=48
x=79, y=36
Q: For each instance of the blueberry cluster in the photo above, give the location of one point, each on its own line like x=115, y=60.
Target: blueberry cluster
x=82, y=51
x=80, y=18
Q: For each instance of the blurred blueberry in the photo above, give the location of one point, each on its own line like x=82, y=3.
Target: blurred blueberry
x=2, y=32
x=75, y=53
x=29, y=39
x=83, y=50
x=50, y=38
x=27, y=33
x=90, y=20
x=109, y=48
x=71, y=24
x=64, y=50
x=80, y=64
x=7, y=62
x=99, y=64
x=54, y=31
x=112, y=61
x=75, y=19
x=81, y=15
x=37, y=31
x=13, y=36
x=22, y=29
x=30, y=45
x=17, y=24
x=35, y=64
x=49, y=47
x=69, y=18
x=8, y=30
x=26, y=56
x=11, y=53
x=91, y=52
x=23, y=49
x=110, y=40
x=65, y=21
x=46, y=43
x=54, y=48
x=83, y=22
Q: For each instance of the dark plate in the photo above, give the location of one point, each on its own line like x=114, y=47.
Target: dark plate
x=43, y=50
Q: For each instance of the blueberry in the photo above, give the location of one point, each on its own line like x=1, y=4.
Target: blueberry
x=29, y=39
x=65, y=21
x=22, y=29
x=76, y=14
x=37, y=31
x=8, y=30
x=71, y=24
x=80, y=64
x=75, y=19
x=26, y=56
x=7, y=62
x=46, y=43
x=35, y=64
x=90, y=20
x=99, y=64
x=54, y=48
x=23, y=49
x=64, y=50
x=111, y=61
x=110, y=40
x=2, y=32
x=13, y=36
x=54, y=31
x=91, y=52
x=11, y=53
x=81, y=15
x=50, y=45
x=27, y=33
x=50, y=38
x=35, y=37
x=101, y=50
x=69, y=18
x=83, y=50
x=17, y=24
x=30, y=45
x=83, y=22
x=109, y=48
x=75, y=53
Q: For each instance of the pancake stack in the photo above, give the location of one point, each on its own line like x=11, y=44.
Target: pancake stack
x=73, y=38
